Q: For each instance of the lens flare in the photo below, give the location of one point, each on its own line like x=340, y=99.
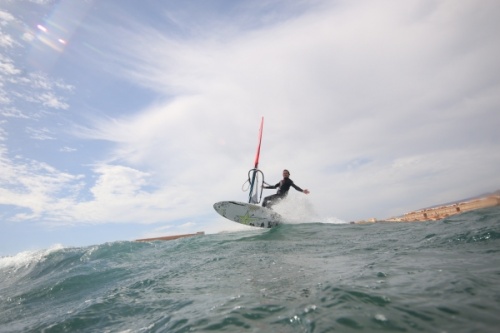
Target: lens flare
x=41, y=27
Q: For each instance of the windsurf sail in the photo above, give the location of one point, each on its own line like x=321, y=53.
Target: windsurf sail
x=255, y=176
x=257, y=155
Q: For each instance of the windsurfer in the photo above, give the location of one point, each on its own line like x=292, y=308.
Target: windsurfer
x=283, y=186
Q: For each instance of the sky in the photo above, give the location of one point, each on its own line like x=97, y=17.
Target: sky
x=128, y=119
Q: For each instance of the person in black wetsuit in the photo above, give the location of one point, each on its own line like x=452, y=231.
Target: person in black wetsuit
x=283, y=186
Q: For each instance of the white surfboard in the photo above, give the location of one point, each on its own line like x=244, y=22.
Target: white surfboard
x=248, y=214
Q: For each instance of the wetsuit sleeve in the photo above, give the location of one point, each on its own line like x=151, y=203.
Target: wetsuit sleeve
x=273, y=186
x=297, y=188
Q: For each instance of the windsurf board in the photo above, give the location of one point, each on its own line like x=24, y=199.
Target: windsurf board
x=248, y=214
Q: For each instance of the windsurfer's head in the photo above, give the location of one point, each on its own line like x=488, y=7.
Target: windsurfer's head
x=286, y=173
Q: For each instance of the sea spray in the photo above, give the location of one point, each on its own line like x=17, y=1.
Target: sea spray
x=297, y=208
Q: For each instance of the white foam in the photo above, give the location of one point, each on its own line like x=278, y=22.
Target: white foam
x=26, y=258
x=299, y=209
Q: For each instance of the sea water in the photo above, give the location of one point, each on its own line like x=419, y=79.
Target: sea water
x=440, y=276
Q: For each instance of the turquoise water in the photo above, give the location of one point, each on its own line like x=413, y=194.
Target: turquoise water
x=439, y=276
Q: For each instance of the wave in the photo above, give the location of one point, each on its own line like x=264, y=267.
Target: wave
x=429, y=276
x=27, y=258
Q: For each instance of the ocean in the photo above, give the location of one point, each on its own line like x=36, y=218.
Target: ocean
x=440, y=276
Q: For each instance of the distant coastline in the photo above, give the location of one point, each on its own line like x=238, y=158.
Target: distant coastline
x=442, y=211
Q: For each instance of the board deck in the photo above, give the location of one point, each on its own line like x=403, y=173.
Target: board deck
x=248, y=214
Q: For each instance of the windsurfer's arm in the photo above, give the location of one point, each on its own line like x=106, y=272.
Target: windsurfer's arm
x=305, y=191
x=271, y=186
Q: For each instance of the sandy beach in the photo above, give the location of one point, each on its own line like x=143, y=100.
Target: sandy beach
x=442, y=211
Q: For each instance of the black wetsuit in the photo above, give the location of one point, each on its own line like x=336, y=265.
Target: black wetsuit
x=283, y=186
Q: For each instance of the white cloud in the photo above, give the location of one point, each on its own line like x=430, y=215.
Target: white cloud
x=117, y=194
x=33, y=186
x=18, y=86
x=7, y=67
x=376, y=83
x=28, y=36
x=5, y=17
x=40, y=133
x=44, y=82
x=124, y=194
x=10, y=112
x=5, y=100
x=52, y=101
x=6, y=40
x=67, y=149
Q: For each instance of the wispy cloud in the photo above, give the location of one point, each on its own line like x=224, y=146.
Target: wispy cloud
x=118, y=195
x=67, y=149
x=350, y=82
x=16, y=85
x=7, y=67
x=6, y=40
x=33, y=186
x=40, y=133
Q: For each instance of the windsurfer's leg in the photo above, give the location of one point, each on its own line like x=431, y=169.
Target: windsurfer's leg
x=270, y=200
x=266, y=201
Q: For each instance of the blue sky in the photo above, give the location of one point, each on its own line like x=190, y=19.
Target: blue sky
x=128, y=119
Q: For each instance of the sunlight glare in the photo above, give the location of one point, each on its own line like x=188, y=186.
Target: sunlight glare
x=41, y=27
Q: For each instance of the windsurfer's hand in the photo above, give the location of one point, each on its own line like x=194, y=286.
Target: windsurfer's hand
x=306, y=191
